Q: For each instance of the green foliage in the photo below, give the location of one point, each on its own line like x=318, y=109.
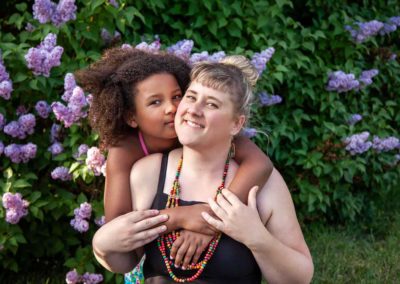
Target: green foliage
x=305, y=131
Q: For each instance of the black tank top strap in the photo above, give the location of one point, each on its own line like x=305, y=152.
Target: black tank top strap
x=159, y=202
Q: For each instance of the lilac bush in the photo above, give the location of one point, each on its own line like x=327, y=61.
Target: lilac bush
x=385, y=144
x=45, y=56
x=182, y=49
x=260, y=60
x=354, y=118
x=341, y=82
x=43, y=109
x=357, y=143
x=47, y=11
x=6, y=86
x=82, y=213
x=20, y=153
x=61, y=173
x=95, y=160
x=269, y=100
x=15, y=206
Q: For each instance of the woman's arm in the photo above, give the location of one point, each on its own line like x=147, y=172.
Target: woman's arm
x=279, y=248
x=254, y=168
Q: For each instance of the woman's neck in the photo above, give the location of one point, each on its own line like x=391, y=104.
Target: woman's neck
x=158, y=145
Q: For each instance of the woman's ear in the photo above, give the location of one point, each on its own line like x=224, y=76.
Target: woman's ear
x=238, y=124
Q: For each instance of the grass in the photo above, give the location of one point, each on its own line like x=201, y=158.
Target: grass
x=340, y=254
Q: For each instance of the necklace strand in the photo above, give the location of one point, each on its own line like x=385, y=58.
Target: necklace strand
x=165, y=241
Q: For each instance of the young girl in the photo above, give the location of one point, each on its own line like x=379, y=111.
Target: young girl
x=135, y=97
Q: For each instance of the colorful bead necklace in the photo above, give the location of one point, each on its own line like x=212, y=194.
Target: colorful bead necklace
x=165, y=242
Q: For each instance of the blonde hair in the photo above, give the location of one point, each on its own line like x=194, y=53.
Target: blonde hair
x=234, y=75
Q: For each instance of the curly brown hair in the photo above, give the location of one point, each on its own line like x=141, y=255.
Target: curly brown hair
x=112, y=81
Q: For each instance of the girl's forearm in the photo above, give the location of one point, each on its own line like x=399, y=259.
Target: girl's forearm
x=280, y=263
x=117, y=262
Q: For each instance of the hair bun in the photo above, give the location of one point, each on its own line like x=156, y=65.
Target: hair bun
x=241, y=62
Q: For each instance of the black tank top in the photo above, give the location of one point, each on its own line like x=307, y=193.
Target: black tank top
x=232, y=261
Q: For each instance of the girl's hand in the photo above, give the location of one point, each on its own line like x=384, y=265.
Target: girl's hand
x=188, y=248
x=238, y=221
x=129, y=231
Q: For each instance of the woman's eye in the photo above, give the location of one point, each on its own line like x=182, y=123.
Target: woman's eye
x=212, y=105
x=190, y=98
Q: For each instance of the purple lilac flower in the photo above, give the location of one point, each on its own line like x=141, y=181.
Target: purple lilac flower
x=43, y=109
x=28, y=152
x=21, y=109
x=182, y=49
x=357, y=143
x=260, y=60
x=20, y=153
x=269, y=100
x=387, y=29
x=365, y=30
x=45, y=56
x=395, y=21
x=82, y=150
x=6, y=86
x=385, y=144
x=341, y=82
x=91, y=278
x=64, y=12
x=100, y=221
x=126, y=46
x=217, y=56
x=61, y=173
x=105, y=36
x=1, y=147
x=15, y=206
x=249, y=132
x=27, y=123
x=43, y=10
x=56, y=148
x=13, y=152
x=198, y=57
x=84, y=211
x=366, y=76
x=2, y=121
x=95, y=160
x=354, y=118
x=393, y=56
x=103, y=169
x=81, y=225
x=89, y=99
x=13, y=129
x=69, y=86
x=63, y=114
x=72, y=277
x=153, y=47
x=55, y=132
x=30, y=28
x=114, y=3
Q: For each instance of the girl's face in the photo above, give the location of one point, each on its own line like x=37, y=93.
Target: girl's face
x=206, y=116
x=156, y=100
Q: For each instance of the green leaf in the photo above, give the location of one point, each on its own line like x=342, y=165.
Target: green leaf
x=21, y=183
x=21, y=7
x=34, y=196
x=8, y=173
x=278, y=76
x=309, y=45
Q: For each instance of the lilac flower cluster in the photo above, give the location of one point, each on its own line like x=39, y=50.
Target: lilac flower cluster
x=205, y=56
x=30, y=28
x=82, y=150
x=108, y=38
x=21, y=109
x=56, y=148
x=15, y=206
x=55, y=132
x=6, y=86
x=385, y=144
x=95, y=160
x=354, y=118
x=43, y=109
x=182, y=49
x=260, y=60
x=100, y=221
x=269, y=100
x=45, y=56
x=342, y=82
x=18, y=153
x=2, y=121
x=47, y=11
x=357, y=143
x=114, y=3
x=61, y=173
x=372, y=28
x=153, y=47
x=77, y=103
x=73, y=277
x=249, y=132
x=83, y=212
x=21, y=128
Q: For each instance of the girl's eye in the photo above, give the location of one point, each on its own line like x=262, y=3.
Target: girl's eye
x=155, y=102
x=177, y=97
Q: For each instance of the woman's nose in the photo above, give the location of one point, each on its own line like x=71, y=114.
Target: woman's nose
x=195, y=109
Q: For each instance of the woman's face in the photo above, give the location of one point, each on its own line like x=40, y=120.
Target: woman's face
x=206, y=116
x=156, y=100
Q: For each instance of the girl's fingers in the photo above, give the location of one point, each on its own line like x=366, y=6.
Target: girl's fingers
x=189, y=254
x=220, y=212
x=137, y=216
x=180, y=254
x=175, y=246
x=219, y=225
x=150, y=222
x=197, y=254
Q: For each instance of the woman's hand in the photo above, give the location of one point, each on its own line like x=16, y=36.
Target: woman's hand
x=129, y=231
x=188, y=248
x=238, y=221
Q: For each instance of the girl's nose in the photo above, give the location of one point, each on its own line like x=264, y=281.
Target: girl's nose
x=170, y=108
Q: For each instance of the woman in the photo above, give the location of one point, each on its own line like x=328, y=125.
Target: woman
x=267, y=241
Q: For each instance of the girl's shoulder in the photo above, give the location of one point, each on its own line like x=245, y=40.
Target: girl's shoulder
x=125, y=153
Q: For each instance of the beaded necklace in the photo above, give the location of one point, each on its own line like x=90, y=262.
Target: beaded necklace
x=165, y=242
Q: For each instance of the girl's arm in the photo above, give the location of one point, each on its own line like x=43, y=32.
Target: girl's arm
x=117, y=193
x=254, y=168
